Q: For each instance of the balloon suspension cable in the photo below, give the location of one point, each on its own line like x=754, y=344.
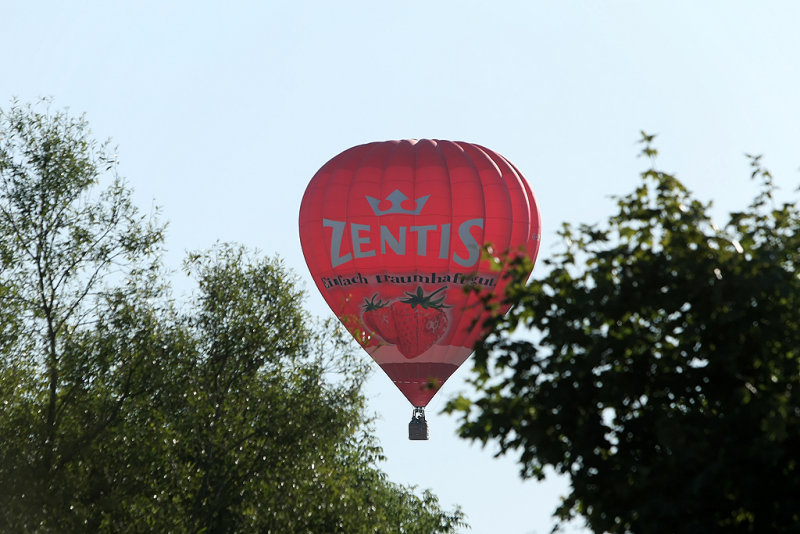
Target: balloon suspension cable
x=418, y=427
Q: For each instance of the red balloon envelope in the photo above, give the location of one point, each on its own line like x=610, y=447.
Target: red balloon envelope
x=393, y=231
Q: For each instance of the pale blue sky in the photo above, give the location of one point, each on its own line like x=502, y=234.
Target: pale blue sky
x=223, y=112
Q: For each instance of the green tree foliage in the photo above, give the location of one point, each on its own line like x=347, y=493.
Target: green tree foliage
x=655, y=363
x=121, y=411
x=62, y=246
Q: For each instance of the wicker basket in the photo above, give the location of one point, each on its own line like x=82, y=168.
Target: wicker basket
x=418, y=427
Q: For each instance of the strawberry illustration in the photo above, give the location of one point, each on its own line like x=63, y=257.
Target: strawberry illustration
x=378, y=318
x=419, y=321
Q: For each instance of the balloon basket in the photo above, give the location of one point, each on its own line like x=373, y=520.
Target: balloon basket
x=418, y=427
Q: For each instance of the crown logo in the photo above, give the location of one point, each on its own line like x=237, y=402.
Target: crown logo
x=397, y=198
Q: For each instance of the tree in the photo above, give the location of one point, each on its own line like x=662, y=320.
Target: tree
x=655, y=363
x=122, y=411
x=62, y=247
x=274, y=428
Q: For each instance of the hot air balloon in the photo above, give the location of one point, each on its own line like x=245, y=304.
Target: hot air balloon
x=393, y=232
